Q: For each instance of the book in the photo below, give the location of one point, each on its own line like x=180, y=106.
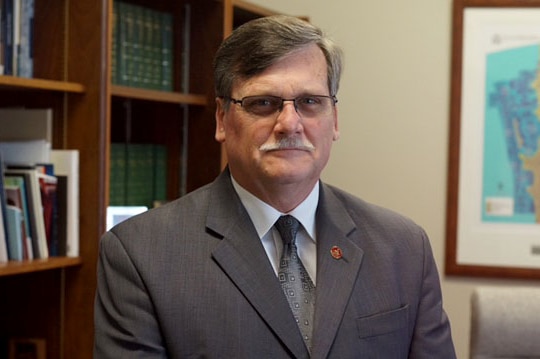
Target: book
x=2, y=41
x=25, y=61
x=7, y=36
x=26, y=152
x=25, y=124
x=167, y=52
x=16, y=20
x=15, y=237
x=123, y=46
x=62, y=217
x=137, y=48
x=117, y=178
x=148, y=56
x=47, y=190
x=128, y=25
x=156, y=49
x=14, y=198
x=19, y=199
x=185, y=51
x=66, y=167
x=139, y=190
x=3, y=216
x=114, y=46
x=35, y=210
x=159, y=173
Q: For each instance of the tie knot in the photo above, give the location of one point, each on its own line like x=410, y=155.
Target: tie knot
x=287, y=227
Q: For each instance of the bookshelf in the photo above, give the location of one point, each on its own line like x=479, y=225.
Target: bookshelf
x=73, y=42
x=51, y=299
x=19, y=83
x=158, y=96
x=14, y=268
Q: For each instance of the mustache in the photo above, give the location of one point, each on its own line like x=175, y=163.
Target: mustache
x=288, y=143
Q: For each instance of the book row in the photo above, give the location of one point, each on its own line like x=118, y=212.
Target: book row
x=16, y=37
x=138, y=174
x=35, y=211
x=142, y=47
x=39, y=189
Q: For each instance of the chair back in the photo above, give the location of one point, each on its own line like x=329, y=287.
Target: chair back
x=505, y=323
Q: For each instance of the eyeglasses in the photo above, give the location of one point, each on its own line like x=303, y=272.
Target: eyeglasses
x=309, y=106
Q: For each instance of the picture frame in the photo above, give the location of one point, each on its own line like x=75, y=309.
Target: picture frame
x=493, y=194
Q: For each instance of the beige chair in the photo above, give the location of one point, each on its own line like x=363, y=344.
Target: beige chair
x=505, y=323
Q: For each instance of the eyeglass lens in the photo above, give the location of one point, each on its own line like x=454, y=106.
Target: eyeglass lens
x=306, y=106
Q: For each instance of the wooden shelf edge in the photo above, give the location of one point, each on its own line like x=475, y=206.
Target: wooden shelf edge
x=16, y=267
x=23, y=83
x=158, y=96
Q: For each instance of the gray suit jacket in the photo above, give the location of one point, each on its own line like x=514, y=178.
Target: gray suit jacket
x=191, y=279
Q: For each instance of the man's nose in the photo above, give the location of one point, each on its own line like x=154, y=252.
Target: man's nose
x=284, y=102
x=288, y=119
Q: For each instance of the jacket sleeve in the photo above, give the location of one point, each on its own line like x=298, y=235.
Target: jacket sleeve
x=125, y=323
x=432, y=335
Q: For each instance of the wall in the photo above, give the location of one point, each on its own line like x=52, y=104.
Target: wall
x=393, y=111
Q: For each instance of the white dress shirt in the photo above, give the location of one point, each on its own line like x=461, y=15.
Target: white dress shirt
x=265, y=216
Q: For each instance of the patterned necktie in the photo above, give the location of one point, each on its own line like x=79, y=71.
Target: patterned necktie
x=294, y=279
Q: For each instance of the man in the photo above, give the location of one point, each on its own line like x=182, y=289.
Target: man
x=205, y=275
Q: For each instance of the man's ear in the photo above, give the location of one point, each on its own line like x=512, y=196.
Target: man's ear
x=336, y=127
x=220, y=118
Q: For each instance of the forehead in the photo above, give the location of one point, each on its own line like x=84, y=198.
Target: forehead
x=301, y=71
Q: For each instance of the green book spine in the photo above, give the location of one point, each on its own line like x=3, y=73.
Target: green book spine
x=147, y=55
x=128, y=51
x=137, y=50
x=156, y=50
x=160, y=173
x=114, y=47
x=117, y=180
x=123, y=45
x=167, y=52
x=140, y=175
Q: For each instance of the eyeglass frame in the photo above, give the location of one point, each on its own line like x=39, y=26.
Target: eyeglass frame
x=283, y=100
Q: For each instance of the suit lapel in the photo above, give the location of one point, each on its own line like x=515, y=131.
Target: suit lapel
x=336, y=276
x=241, y=255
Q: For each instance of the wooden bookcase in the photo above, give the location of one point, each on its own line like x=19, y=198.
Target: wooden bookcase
x=53, y=299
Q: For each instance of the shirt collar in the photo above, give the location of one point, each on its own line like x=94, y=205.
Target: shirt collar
x=264, y=216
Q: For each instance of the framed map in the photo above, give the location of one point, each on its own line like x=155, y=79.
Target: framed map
x=493, y=213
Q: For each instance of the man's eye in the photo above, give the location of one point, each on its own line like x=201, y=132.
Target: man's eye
x=310, y=101
x=262, y=102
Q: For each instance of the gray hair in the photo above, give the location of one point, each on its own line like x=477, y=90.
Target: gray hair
x=256, y=45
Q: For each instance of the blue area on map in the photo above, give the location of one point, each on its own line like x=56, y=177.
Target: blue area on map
x=511, y=130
